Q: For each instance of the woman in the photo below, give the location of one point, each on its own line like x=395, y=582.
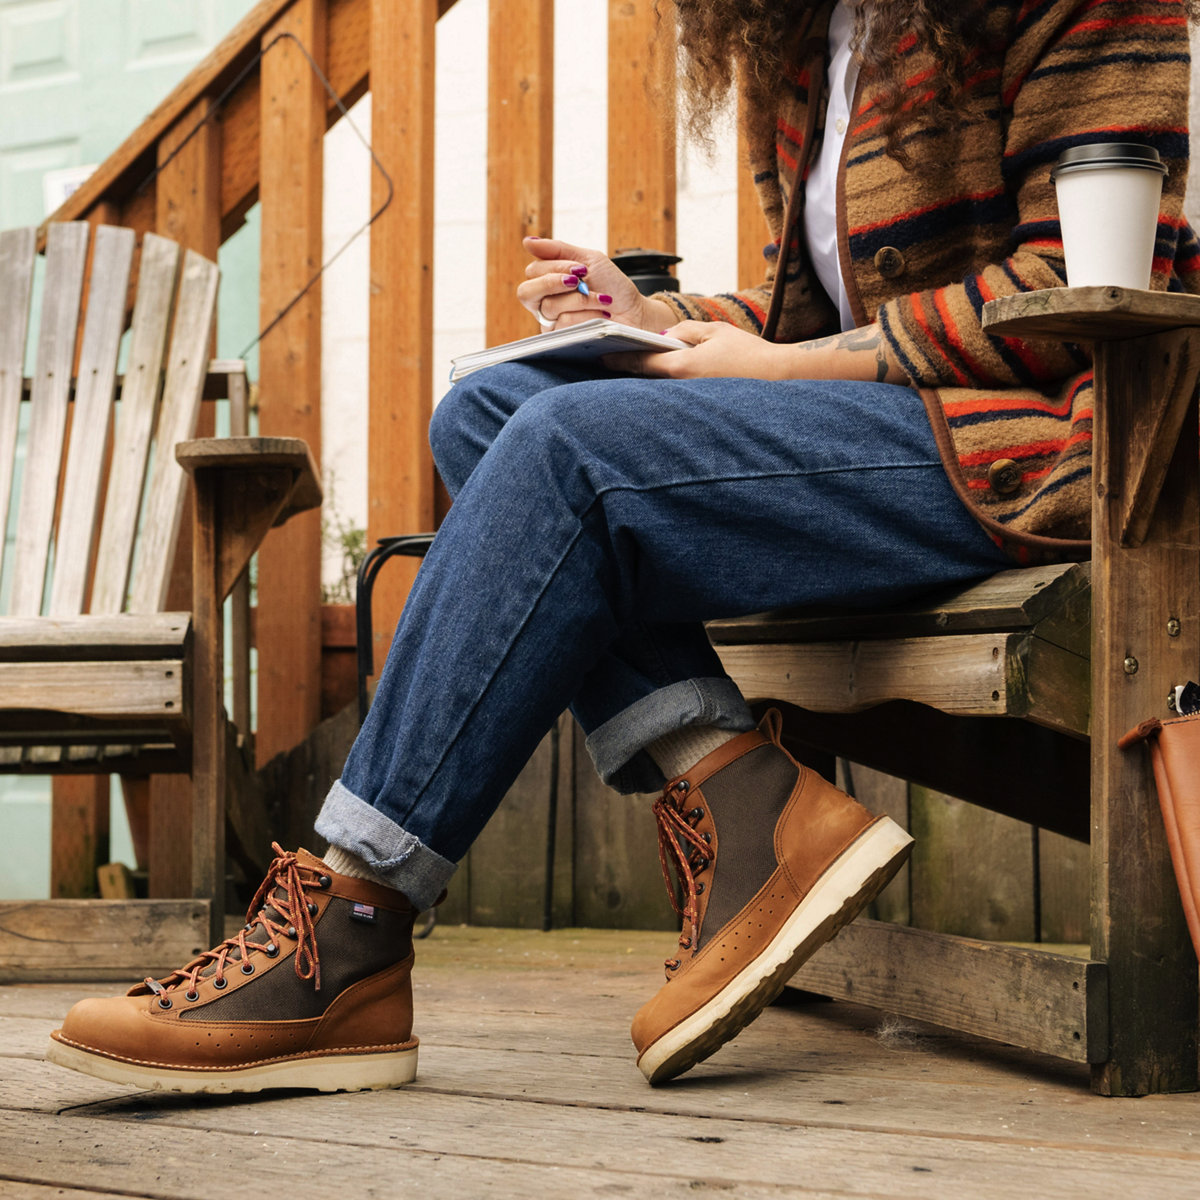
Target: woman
x=845, y=433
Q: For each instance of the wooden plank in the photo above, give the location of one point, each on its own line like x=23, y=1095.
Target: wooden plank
x=138, y=411
x=112, y=690
x=1089, y=314
x=79, y=834
x=116, y=636
x=1051, y=1003
x=98, y=939
x=1064, y=873
x=641, y=127
x=1138, y=654
x=956, y=889
x=400, y=493
x=187, y=363
x=66, y=253
x=17, y=249
x=520, y=186
x=290, y=191
x=1024, y=598
x=621, y=887
x=509, y=859
x=965, y=674
x=91, y=420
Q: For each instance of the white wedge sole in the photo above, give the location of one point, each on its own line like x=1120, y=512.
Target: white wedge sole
x=322, y=1073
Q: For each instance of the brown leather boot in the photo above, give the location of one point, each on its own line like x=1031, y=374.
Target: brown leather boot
x=314, y=992
x=772, y=861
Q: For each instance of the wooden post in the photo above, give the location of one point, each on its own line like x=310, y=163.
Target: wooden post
x=751, y=225
x=641, y=126
x=520, y=152
x=399, y=464
x=79, y=834
x=1145, y=640
x=290, y=190
x=187, y=209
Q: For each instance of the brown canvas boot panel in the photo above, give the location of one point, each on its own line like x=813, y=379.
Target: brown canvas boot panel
x=745, y=801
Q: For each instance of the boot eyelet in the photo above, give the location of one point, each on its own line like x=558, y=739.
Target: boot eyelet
x=247, y=968
x=672, y=964
x=221, y=984
x=686, y=943
x=271, y=950
x=312, y=909
x=290, y=931
x=323, y=882
x=700, y=886
x=164, y=1002
x=708, y=839
x=696, y=813
x=191, y=997
x=684, y=786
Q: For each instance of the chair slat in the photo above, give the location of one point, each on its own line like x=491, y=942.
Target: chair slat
x=66, y=251
x=187, y=365
x=18, y=248
x=112, y=259
x=135, y=422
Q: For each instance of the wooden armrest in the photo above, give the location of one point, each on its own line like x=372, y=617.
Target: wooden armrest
x=245, y=485
x=1089, y=314
x=255, y=453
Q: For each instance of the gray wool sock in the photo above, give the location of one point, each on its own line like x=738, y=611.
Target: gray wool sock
x=675, y=753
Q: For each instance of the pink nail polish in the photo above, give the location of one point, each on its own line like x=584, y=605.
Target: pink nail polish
x=603, y=313
x=579, y=272
x=603, y=299
x=570, y=280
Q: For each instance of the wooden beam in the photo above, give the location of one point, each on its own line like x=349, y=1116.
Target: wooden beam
x=399, y=465
x=1051, y=1003
x=290, y=190
x=520, y=192
x=641, y=126
x=98, y=939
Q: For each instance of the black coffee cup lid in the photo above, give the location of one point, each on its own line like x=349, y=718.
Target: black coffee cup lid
x=1108, y=154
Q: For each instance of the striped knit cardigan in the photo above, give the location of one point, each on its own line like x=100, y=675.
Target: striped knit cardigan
x=975, y=218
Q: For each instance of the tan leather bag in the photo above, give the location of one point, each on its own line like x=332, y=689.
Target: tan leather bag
x=1175, y=754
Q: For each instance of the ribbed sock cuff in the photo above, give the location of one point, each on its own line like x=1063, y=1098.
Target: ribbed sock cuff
x=675, y=753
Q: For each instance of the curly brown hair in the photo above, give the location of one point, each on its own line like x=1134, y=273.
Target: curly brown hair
x=753, y=41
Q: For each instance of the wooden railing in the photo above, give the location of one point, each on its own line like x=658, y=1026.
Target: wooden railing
x=247, y=126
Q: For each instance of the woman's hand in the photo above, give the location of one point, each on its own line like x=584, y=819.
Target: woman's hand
x=719, y=350
x=716, y=350
x=566, y=284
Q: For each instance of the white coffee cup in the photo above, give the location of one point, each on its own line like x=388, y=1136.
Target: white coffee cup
x=1108, y=199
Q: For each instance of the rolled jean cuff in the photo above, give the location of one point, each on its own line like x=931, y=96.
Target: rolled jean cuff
x=401, y=859
x=618, y=746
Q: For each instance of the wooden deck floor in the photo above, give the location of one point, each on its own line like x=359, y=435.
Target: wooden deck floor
x=528, y=1089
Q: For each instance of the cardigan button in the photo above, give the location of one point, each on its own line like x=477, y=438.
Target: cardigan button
x=1004, y=477
x=889, y=262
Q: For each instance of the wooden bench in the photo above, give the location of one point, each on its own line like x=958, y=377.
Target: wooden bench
x=94, y=675
x=1012, y=694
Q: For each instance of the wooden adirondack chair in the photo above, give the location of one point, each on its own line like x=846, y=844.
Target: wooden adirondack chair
x=94, y=676
x=1008, y=696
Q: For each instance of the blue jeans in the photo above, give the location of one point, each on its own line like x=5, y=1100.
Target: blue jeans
x=597, y=521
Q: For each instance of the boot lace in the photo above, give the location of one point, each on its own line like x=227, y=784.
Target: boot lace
x=282, y=908
x=681, y=847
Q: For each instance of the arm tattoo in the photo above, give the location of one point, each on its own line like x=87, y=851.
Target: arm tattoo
x=865, y=340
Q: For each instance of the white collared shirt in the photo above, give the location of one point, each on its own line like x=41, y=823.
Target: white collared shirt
x=821, y=189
